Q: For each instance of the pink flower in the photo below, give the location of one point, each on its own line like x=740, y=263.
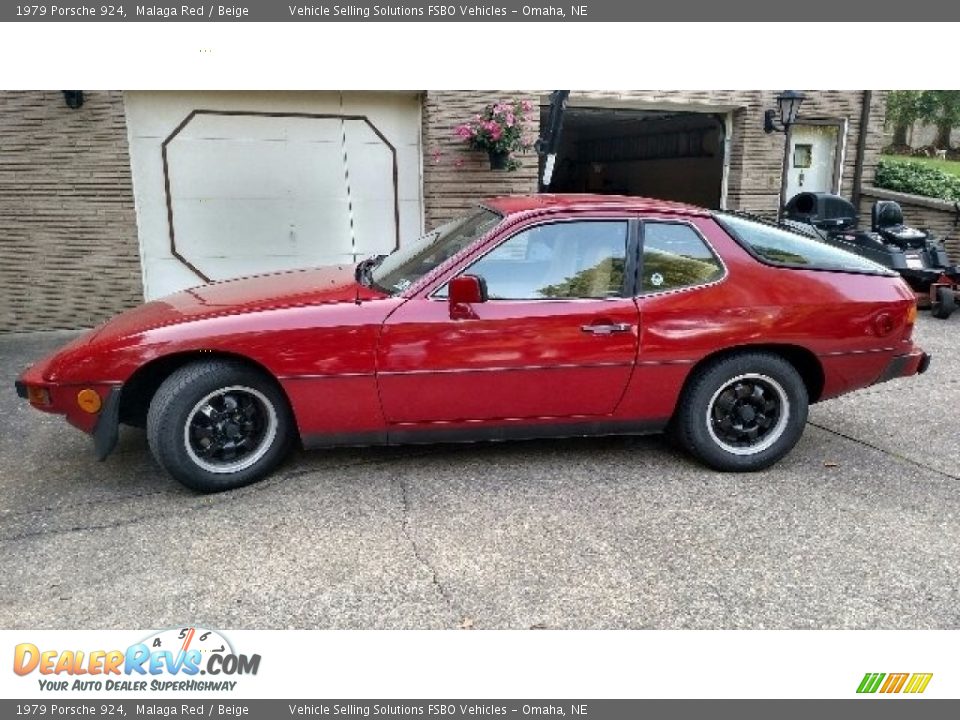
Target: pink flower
x=464, y=131
x=526, y=105
x=494, y=129
x=510, y=119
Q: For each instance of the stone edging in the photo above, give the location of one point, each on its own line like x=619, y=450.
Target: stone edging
x=906, y=198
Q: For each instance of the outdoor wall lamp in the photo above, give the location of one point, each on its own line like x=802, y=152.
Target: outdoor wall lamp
x=73, y=98
x=788, y=107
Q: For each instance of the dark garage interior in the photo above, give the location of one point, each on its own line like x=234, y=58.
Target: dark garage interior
x=618, y=151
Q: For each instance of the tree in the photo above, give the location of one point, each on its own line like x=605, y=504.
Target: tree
x=904, y=108
x=946, y=115
x=936, y=107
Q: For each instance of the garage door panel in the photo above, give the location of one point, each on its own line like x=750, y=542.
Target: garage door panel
x=408, y=162
x=229, y=127
x=391, y=114
x=256, y=190
x=371, y=173
x=202, y=168
x=359, y=131
x=322, y=227
x=315, y=171
x=167, y=275
x=313, y=130
x=374, y=227
x=218, y=227
x=235, y=266
x=411, y=220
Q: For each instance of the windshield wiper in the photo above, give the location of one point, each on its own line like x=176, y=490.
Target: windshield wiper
x=364, y=268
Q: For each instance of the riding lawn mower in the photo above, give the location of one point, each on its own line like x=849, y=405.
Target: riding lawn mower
x=919, y=257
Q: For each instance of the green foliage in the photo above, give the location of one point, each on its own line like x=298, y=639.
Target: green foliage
x=917, y=179
x=677, y=270
x=947, y=103
x=950, y=167
x=934, y=107
x=905, y=107
x=602, y=280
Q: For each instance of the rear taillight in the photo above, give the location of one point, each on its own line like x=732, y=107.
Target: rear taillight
x=911, y=320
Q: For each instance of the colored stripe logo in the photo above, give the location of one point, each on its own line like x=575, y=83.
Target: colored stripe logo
x=913, y=683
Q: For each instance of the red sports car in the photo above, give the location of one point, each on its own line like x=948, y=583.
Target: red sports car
x=529, y=317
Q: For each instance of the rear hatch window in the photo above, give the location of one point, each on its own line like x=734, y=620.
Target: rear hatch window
x=776, y=245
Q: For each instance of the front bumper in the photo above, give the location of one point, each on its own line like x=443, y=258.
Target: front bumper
x=59, y=399
x=913, y=363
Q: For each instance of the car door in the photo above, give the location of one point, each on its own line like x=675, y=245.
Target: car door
x=557, y=336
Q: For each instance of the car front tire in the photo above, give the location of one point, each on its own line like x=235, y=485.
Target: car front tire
x=743, y=412
x=219, y=425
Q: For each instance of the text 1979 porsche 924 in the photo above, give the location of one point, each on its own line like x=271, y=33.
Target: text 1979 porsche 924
x=529, y=317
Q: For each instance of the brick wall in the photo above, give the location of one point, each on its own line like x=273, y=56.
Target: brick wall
x=455, y=177
x=68, y=238
x=68, y=243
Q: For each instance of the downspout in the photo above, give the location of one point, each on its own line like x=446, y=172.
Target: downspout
x=861, y=149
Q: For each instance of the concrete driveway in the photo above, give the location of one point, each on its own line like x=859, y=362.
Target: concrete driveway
x=858, y=528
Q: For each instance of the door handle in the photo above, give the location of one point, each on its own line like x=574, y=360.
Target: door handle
x=607, y=329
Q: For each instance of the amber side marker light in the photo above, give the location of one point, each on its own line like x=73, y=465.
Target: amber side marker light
x=38, y=395
x=88, y=400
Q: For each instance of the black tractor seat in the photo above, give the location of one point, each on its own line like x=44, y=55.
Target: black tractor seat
x=887, y=219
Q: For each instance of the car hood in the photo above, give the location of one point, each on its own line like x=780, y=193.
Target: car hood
x=297, y=288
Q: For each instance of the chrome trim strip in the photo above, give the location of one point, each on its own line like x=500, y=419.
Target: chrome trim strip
x=838, y=353
x=499, y=368
x=325, y=376
x=665, y=362
x=456, y=371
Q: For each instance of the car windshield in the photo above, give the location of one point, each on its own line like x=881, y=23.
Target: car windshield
x=401, y=269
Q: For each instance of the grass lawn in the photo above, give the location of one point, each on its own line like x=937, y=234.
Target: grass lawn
x=948, y=166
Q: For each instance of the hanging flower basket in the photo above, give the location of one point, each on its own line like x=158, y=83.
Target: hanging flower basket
x=502, y=129
x=498, y=160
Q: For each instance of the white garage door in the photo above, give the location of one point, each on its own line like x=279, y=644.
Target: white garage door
x=235, y=184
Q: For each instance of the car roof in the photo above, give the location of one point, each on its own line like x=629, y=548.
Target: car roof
x=517, y=204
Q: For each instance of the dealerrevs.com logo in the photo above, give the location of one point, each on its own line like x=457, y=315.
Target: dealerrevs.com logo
x=892, y=683
x=168, y=660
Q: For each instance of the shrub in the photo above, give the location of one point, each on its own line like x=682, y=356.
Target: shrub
x=917, y=179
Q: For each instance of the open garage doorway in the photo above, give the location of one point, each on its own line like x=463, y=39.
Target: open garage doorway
x=666, y=154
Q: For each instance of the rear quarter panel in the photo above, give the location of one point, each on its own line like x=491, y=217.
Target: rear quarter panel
x=833, y=315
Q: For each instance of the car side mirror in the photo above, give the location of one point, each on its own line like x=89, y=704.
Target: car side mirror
x=467, y=290
x=464, y=291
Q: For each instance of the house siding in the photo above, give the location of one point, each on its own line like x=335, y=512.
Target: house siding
x=68, y=235
x=456, y=177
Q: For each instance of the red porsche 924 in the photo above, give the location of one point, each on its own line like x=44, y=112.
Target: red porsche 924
x=529, y=317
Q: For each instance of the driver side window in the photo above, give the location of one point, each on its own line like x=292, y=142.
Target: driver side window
x=556, y=261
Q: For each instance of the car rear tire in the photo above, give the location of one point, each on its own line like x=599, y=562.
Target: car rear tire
x=219, y=425
x=743, y=412
x=946, y=302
